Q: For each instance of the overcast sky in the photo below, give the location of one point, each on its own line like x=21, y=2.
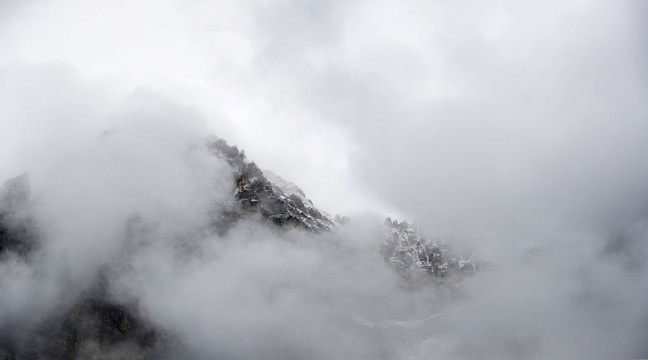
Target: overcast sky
x=474, y=118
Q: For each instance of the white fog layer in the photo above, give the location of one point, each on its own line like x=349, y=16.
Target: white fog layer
x=504, y=141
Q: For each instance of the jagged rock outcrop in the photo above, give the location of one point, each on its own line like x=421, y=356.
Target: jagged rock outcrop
x=254, y=193
x=408, y=251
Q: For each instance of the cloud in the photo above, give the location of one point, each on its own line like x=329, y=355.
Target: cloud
x=510, y=124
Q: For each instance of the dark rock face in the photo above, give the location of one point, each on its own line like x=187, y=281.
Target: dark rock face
x=17, y=232
x=255, y=194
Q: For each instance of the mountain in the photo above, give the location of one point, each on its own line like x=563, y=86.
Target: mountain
x=97, y=325
x=280, y=202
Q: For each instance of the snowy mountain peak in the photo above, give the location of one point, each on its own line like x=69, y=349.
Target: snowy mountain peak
x=255, y=193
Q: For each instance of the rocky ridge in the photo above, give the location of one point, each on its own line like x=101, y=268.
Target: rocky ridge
x=254, y=193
